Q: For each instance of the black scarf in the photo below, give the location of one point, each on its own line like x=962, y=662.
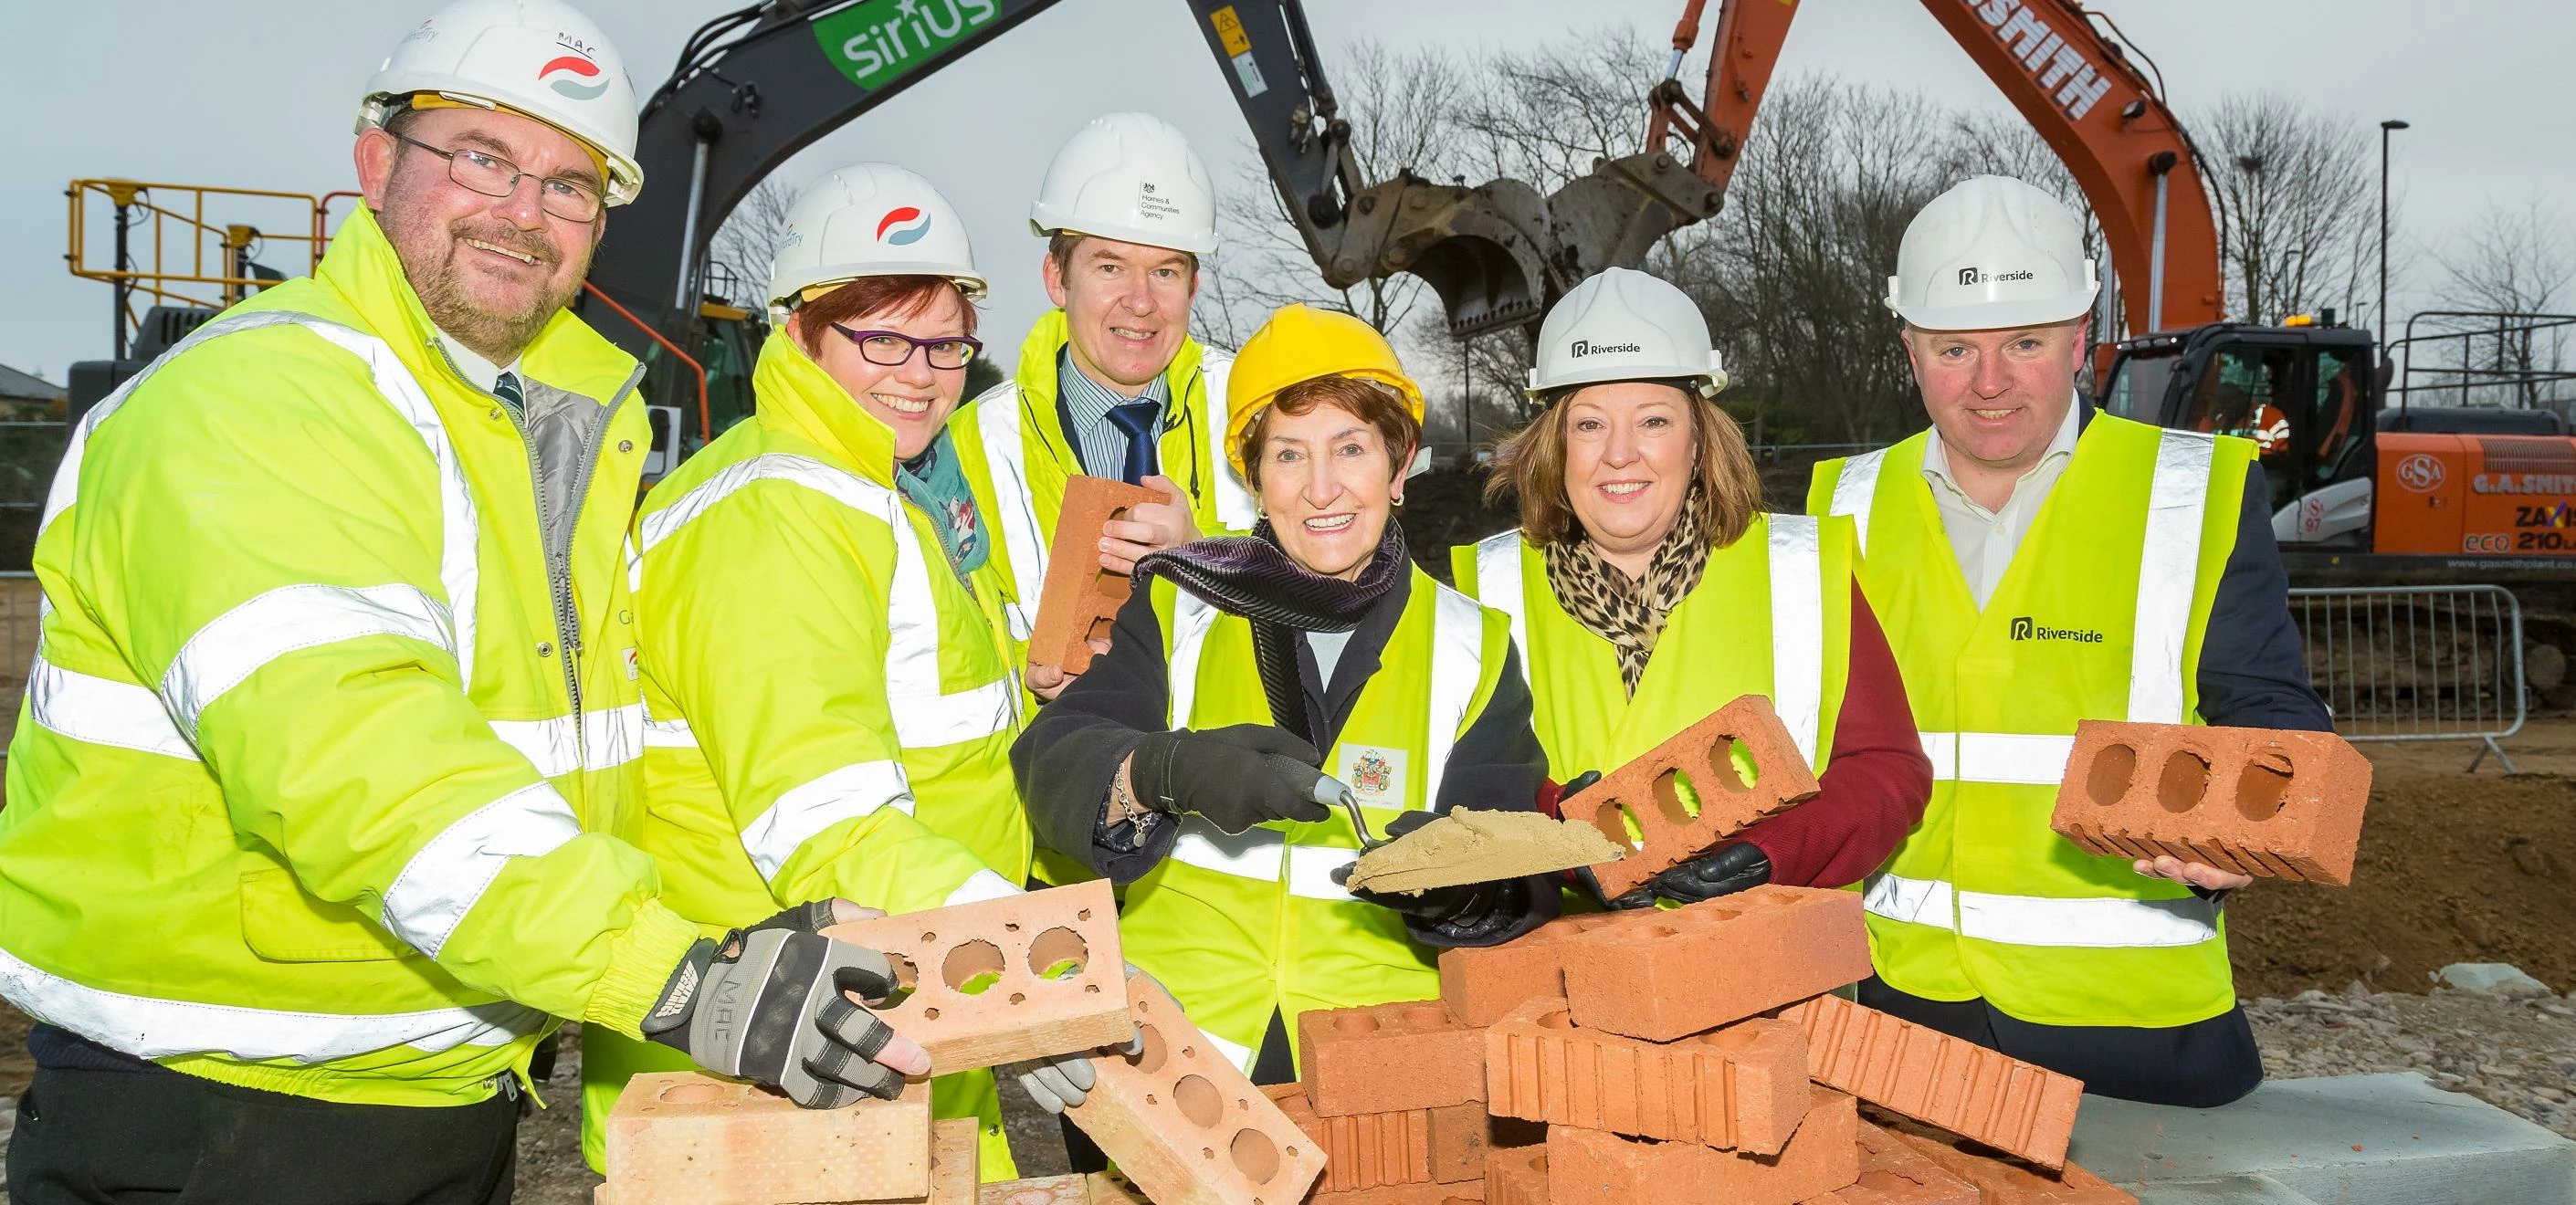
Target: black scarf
x=1253, y=577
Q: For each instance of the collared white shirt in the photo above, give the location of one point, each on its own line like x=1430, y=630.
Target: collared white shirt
x=1984, y=540
x=477, y=371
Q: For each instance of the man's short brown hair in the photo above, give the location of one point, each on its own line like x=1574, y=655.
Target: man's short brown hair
x=1060, y=247
x=1371, y=402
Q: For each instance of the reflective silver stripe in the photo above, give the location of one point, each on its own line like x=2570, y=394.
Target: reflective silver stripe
x=1798, y=627
x=2168, y=569
x=923, y=715
x=981, y=886
x=1192, y=617
x=1855, y=488
x=102, y=711
x=1264, y=856
x=997, y=420
x=1457, y=666
x=1235, y=507
x=1914, y=901
x=668, y=734
x=2106, y=922
x=2009, y=757
x=151, y=1028
x=445, y=877
x=611, y=736
x=234, y=645
x=634, y=565
x=803, y=811
x=1498, y=584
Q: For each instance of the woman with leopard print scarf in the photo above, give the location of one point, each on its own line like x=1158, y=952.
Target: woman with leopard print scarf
x=1647, y=589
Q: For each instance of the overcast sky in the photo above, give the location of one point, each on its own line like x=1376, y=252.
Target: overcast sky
x=260, y=93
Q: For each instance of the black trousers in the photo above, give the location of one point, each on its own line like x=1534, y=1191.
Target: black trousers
x=128, y=1136
x=2201, y=1065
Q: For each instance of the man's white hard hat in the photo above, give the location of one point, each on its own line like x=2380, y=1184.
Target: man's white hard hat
x=868, y=219
x=1992, y=252
x=1130, y=177
x=1624, y=325
x=539, y=58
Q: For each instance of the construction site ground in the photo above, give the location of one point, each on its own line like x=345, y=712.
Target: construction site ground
x=2454, y=867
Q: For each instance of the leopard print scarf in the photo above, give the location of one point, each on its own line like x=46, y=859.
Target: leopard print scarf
x=1626, y=612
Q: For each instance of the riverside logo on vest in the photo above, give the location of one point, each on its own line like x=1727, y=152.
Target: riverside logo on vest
x=2023, y=628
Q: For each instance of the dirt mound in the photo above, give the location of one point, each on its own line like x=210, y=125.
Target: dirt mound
x=2453, y=868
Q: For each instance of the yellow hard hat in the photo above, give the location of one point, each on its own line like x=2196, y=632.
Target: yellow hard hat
x=1301, y=343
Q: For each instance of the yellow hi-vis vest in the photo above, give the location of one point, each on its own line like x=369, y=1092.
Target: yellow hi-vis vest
x=830, y=709
x=318, y=779
x=1771, y=616
x=1239, y=926
x=2100, y=616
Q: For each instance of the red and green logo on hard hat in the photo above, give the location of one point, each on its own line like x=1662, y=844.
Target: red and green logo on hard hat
x=566, y=73
x=907, y=223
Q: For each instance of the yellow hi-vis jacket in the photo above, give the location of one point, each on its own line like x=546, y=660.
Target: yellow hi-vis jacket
x=1237, y=926
x=829, y=708
x=2100, y=616
x=1771, y=616
x=314, y=785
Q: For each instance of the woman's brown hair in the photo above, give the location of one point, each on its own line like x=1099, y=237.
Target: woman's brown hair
x=1530, y=464
x=1376, y=404
x=903, y=295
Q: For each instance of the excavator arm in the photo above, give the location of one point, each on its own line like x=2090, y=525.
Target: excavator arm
x=2073, y=82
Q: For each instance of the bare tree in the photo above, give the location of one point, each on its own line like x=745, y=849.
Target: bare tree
x=740, y=253
x=2296, y=186
x=2518, y=264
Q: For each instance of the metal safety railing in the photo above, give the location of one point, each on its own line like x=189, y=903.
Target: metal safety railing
x=20, y=600
x=2421, y=663
x=190, y=245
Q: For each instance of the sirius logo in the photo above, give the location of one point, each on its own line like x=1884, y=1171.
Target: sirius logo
x=1585, y=347
x=2023, y=628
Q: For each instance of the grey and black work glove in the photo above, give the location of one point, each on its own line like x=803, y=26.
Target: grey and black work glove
x=766, y=1004
x=1064, y=1081
x=1236, y=776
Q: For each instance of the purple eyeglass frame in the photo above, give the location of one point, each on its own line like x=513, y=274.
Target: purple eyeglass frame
x=974, y=346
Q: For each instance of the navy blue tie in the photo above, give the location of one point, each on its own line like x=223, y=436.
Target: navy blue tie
x=1141, y=423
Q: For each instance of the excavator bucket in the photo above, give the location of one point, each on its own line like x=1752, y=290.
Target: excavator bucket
x=1479, y=248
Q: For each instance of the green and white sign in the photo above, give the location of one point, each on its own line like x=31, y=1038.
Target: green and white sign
x=881, y=41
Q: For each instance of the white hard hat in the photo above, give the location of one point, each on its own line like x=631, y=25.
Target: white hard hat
x=1992, y=252
x=1130, y=177
x=541, y=58
x=1624, y=325
x=869, y=219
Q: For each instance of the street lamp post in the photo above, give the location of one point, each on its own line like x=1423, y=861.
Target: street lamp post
x=2386, y=128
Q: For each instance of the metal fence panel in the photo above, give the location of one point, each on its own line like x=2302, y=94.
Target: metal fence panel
x=2398, y=663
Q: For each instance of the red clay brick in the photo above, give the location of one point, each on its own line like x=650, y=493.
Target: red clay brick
x=687, y=1138
x=1406, y=1194
x=1696, y=968
x=2284, y=805
x=1182, y=1122
x=1741, y=1086
x=1643, y=790
x=1585, y=1167
x=1483, y=984
x=1112, y=1188
x=1041, y=1190
x=1461, y=1135
x=2003, y=1180
x=1930, y=1076
x=1517, y=1177
x=1389, y=1057
x=1081, y=599
x=1893, y=1173
x=956, y=1161
x=1366, y=1151
x=1024, y=1015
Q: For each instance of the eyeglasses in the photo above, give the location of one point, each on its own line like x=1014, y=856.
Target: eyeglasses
x=893, y=349
x=493, y=176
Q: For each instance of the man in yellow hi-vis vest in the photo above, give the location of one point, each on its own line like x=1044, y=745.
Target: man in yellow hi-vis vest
x=2037, y=563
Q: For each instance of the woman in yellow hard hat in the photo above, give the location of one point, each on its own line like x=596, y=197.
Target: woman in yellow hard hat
x=1184, y=764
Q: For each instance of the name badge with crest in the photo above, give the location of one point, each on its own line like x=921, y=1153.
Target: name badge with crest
x=1375, y=773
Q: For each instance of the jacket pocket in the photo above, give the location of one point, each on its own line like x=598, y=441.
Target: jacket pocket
x=284, y=924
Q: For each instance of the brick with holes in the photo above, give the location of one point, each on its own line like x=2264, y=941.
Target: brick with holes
x=1081, y=599
x=1369, y=1150
x=1698, y=967
x=688, y=1138
x=1894, y=1173
x=1048, y=964
x=1643, y=792
x=1517, y=1177
x=1744, y=1085
x=1183, y=1122
x=1483, y=984
x=1949, y=1082
x=1585, y=1167
x=1388, y=1057
x=2284, y=805
x=2003, y=1180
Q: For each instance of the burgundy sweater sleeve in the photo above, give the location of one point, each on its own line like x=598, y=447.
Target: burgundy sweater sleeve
x=1873, y=792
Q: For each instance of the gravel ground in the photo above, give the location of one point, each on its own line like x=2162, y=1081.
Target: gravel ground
x=2519, y=1055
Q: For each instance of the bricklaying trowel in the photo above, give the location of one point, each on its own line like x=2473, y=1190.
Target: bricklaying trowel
x=1329, y=791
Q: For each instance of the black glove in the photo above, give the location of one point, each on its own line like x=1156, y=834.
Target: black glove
x=1460, y=914
x=1729, y=870
x=785, y=1023
x=1236, y=777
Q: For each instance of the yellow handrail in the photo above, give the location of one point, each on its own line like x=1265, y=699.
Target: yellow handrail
x=173, y=230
